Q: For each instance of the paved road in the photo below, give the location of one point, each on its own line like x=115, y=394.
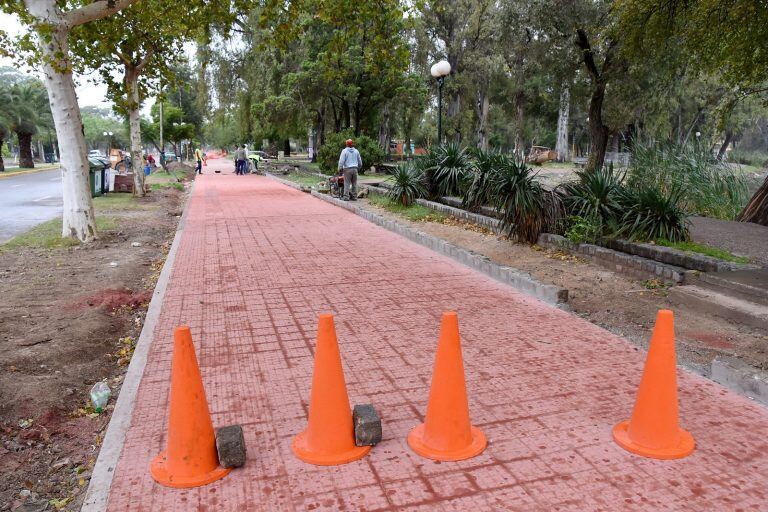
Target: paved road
x=27, y=200
x=545, y=386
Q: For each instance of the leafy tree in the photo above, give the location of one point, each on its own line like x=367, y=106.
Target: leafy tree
x=27, y=111
x=142, y=37
x=328, y=155
x=52, y=23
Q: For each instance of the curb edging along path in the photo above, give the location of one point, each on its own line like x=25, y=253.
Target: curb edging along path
x=101, y=479
x=517, y=279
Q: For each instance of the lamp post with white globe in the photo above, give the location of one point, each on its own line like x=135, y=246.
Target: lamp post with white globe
x=440, y=70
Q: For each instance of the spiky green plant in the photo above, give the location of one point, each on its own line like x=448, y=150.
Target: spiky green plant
x=407, y=184
x=706, y=186
x=451, y=173
x=594, y=195
x=481, y=175
x=520, y=200
x=650, y=214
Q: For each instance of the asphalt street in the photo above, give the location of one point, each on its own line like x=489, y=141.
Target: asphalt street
x=27, y=200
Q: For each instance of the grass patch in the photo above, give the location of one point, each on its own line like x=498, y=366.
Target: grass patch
x=414, y=212
x=303, y=178
x=48, y=235
x=167, y=184
x=713, y=252
x=117, y=201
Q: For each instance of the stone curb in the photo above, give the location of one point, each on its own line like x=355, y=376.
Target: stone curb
x=101, y=479
x=631, y=265
x=740, y=377
x=672, y=256
x=517, y=279
x=11, y=174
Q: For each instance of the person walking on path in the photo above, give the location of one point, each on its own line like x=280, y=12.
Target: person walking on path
x=350, y=163
x=239, y=160
x=199, y=157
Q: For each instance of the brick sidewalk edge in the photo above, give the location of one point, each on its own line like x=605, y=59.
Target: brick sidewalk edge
x=101, y=480
x=513, y=277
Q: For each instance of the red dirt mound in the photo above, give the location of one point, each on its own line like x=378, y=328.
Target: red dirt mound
x=113, y=299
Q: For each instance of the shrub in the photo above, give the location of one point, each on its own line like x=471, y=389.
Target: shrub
x=451, y=170
x=407, y=184
x=583, y=230
x=705, y=185
x=594, y=196
x=427, y=165
x=481, y=174
x=520, y=199
x=650, y=213
x=328, y=154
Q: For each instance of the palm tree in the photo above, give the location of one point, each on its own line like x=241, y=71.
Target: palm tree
x=5, y=123
x=29, y=111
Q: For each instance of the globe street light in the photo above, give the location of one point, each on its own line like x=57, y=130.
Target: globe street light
x=109, y=141
x=440, y=70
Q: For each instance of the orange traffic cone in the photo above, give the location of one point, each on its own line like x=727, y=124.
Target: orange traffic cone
x=190, y=458
x=330, y=435
x=654, y=430
x=447, y=434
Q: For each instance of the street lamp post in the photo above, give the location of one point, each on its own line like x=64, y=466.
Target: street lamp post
x=440, y=70
x=108, y=136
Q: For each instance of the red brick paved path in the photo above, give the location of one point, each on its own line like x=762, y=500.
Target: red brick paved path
x=258, y=261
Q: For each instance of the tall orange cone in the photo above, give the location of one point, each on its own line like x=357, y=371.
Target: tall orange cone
x=190, y=458
x=446, y=433
x=329, y=439
x=654, y=430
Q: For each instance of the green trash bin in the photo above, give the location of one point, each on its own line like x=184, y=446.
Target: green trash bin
x=95, y=175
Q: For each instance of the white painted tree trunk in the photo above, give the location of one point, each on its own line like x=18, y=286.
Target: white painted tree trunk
x=134, y=104
x=78, y=219
x=561, y=147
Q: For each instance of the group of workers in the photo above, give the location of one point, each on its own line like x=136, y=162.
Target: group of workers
x=350, y=163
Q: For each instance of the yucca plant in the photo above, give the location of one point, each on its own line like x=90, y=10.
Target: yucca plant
x=451, y=172
x=520, y=200
x=650, y=213
x=595, y=195
x=426, y=165
x=407, y=184
x=481, y=176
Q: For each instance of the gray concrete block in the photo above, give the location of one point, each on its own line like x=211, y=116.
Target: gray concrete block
x=230, y=444
x=740, y=377
x=367, y=425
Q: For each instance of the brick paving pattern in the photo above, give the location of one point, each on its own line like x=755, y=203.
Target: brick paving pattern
x=259, y=261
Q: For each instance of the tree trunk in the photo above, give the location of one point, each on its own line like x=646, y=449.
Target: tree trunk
x=287, y=147
x=598, y=132
x=757, y=209
x=25, y=150
x=384, y=130
x=2, y=163
x=134, y=104
x=346, y=113
x=726, y=142
x=519, y=123
x=78, y=220
x=561, y=146
x=483, y=106
x=453, y=111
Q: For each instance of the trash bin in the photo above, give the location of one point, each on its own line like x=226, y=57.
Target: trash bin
x=96, y=175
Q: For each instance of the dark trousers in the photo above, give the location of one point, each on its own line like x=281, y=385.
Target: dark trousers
x=199, y=167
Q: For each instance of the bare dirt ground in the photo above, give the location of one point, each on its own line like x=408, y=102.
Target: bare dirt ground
x=69, y=318
x=622, y=305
